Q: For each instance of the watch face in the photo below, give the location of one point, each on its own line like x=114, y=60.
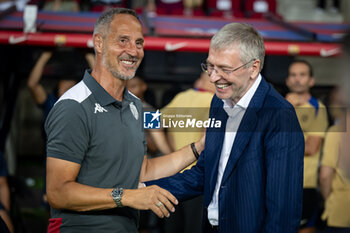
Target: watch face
x=117, y=196
x=119, y=191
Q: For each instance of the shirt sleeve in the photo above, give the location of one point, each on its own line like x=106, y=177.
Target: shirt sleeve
x=320, y=124
x=67, y=131
x=330, y=150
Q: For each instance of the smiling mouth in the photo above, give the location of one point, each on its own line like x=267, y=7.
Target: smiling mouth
x=128, y=62
x=222, y=86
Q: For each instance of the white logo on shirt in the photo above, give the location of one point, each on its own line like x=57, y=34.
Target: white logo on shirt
x=133, y=110
x=98, y=108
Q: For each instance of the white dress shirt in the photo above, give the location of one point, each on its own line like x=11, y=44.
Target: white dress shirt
x=235, y=114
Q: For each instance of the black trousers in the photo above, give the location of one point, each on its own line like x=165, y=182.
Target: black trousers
x=208, y=228
x=187, y=217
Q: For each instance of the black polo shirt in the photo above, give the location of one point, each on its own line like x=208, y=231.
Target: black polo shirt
x=105, y=136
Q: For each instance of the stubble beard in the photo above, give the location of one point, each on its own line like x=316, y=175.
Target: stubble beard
x=115, y=72
x=118, y=75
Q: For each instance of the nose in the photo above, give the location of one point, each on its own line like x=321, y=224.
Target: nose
x=297, y=78
x=214, y=76
x=132, y=49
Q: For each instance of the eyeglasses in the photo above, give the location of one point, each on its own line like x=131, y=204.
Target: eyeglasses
x=209, y=68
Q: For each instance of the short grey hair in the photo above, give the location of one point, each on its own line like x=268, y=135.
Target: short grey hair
x=105, y=19
x=249, y=41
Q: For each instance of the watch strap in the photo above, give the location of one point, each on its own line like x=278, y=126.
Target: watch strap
x=117, y=194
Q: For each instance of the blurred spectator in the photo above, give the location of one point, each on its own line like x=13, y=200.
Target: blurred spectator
x=312, y=117
x=43, y=99
x=4, y=195
x=335, y=187
x=195, y=102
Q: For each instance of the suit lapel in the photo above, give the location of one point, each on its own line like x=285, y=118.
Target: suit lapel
x=246, y=128
x=214, y=143
x=243, y=135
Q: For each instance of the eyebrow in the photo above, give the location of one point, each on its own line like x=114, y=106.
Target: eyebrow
x=220, y=66
x=123, y=37
x=140, y=40
x=128, y=37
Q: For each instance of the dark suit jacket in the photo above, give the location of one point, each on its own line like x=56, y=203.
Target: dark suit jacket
x=262, y=185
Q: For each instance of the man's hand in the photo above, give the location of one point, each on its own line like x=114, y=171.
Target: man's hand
x=154, y=198
x=294, y=99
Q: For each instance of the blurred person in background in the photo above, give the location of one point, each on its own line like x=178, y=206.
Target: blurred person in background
x=42, y=98
x=312, y=117
x=334, y=185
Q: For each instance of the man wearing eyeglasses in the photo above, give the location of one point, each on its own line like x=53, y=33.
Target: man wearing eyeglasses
x=251, y=171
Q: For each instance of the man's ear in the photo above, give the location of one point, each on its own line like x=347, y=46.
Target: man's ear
x=311, y=82
x=98, y=43
x=255, y=68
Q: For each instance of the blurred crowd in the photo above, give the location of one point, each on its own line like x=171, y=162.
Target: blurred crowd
x=219, y=8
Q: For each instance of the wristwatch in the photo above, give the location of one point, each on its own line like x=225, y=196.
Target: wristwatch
x=117, y=194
